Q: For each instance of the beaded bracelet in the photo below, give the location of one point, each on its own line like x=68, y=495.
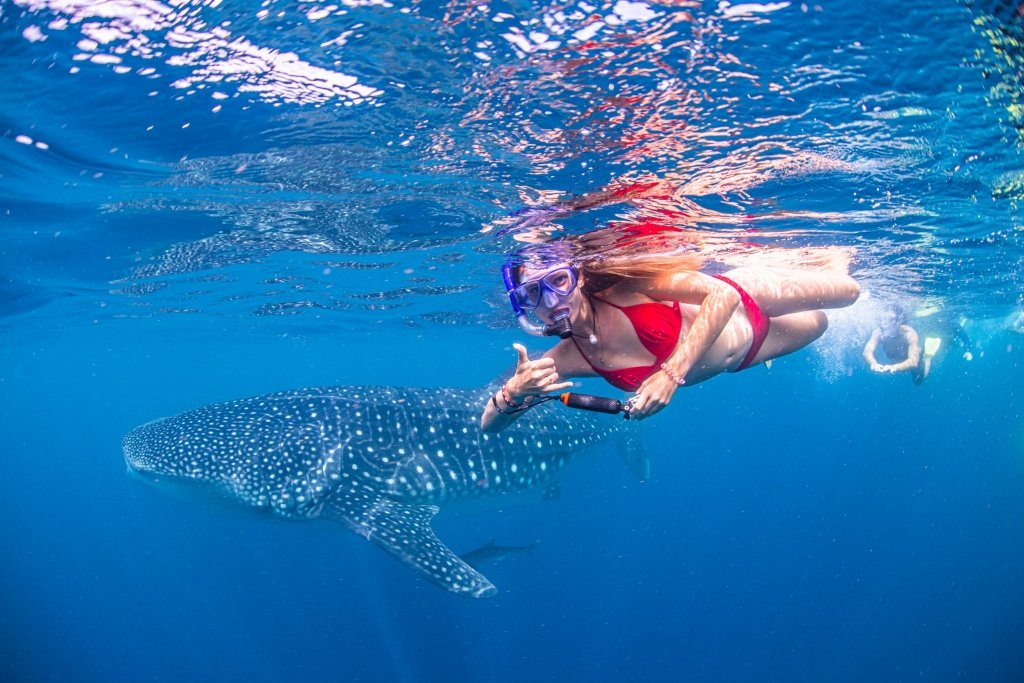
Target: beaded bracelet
x=494, y=402
x=672, y=374
x=507, y=396
x=517, y=408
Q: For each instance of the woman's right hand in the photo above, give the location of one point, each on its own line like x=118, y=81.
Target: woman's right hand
x=534, y=376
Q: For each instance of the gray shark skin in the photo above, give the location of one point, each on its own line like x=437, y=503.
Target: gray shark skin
x=377, y=459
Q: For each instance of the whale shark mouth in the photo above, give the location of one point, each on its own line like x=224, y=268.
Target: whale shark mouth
x=136, y=446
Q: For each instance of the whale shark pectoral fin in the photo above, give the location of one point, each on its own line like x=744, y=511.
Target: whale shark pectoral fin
x=404, y=531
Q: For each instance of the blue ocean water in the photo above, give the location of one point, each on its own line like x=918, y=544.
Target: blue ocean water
x=204, y=201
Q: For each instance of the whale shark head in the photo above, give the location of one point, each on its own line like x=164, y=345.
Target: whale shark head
x=147, y=452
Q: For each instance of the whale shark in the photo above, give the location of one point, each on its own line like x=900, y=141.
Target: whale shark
x=379, y=460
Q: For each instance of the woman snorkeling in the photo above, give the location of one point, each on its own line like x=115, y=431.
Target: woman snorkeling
x=650, y=324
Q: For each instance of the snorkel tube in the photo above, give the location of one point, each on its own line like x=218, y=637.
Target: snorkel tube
x=560, y=324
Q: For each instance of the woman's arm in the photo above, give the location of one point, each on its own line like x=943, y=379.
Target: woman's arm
x=717, y=301
x=531, y=377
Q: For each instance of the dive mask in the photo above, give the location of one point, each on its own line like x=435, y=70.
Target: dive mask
x=561, y=282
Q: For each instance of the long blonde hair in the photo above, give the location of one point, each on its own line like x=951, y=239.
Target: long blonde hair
x=638, y=259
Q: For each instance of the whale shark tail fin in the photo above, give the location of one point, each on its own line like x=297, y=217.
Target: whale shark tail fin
x=632, y=452
x=404, y=531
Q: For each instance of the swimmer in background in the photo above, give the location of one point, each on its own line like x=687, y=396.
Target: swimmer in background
x=903, y=348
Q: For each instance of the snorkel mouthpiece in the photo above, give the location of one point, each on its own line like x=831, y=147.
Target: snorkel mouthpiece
x=560, y=324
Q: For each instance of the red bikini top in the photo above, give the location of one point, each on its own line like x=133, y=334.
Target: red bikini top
x=657, y=326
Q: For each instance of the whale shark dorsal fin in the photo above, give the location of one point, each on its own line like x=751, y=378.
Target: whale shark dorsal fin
x=403, y=529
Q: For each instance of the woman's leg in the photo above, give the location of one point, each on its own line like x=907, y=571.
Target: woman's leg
x=782, y=291
x=789, y=333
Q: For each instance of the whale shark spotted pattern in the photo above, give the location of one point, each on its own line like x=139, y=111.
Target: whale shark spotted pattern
x=377, y=459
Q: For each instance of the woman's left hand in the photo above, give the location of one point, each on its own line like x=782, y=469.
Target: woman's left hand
x=653, y=395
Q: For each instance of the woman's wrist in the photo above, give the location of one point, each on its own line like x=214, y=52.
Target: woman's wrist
x=509, y=397
x=676, y=377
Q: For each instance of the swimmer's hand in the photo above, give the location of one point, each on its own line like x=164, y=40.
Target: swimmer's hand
x=886, y=369
x=534, y=376
x=653, y=395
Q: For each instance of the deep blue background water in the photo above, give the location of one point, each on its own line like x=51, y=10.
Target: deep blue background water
x=858, y=530
x=808, y=522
